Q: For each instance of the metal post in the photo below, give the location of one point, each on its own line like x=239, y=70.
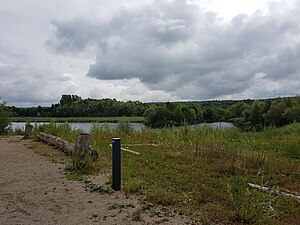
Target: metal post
x=116, y=164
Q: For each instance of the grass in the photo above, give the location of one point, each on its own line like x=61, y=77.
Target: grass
x=204, y=172
x=80, y=119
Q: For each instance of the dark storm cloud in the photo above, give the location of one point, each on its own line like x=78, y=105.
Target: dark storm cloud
x=177, y=47
x=73, y=35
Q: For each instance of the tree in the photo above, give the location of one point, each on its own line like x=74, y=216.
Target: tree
x=292, y=114
x=255, y=115
x=68, y=99
x=4, y=118
x=190, y=115
x=159, y=116
x=274, y=116
x=149, y=116
x=237, y=109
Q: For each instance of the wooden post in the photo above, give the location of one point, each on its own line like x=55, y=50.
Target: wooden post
x=28, y=130
x=82, y=146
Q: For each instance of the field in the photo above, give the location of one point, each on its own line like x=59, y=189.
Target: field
x=80, y=119
x=204, y=173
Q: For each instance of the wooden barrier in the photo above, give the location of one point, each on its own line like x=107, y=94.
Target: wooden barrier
x=82, y=146
x=79, y=150
x=28, y=130
x=60, y=143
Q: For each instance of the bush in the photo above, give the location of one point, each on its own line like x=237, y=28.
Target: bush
x=124, y=128
x=4, y=119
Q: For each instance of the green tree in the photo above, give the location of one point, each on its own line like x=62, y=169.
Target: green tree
x=237, y=109
x=149, y=116
x=255, y=115
x=274, y=116
x=178, y=116
x=68, y=99
x=158, y=116
x=292, y=114
x=190, y=115
x=4, y=118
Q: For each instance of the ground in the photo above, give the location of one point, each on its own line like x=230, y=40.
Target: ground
x=34, y=190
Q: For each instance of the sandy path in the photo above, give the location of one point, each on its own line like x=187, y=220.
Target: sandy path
x=34, y=190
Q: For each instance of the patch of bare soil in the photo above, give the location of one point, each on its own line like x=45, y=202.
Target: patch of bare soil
x=34, y=190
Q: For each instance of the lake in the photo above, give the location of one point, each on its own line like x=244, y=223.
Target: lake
x=136, y=126
x=84, y=126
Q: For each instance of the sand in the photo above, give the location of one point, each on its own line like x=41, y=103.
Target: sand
x=34, y=190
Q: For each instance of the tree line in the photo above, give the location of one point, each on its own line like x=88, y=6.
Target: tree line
x=75, y=106
x=246, y=114
x=252, y=115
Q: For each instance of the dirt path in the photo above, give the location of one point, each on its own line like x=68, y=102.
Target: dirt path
x=34, y=190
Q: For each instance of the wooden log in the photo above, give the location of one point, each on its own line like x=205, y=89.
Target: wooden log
x=28, y=130
x=68, y=147
x=82, y=146
x=60, y=143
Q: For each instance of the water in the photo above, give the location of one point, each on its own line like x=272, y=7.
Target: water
x=217, y=125
x=86, y=127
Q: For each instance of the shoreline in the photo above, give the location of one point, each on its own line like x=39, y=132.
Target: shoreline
x=79, y=119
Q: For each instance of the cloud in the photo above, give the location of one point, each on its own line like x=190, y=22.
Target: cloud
x=179, y=48
x=24, y=86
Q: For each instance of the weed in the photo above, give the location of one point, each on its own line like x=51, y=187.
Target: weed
x=18, y=131
x=132, y=186
x=124, y=128
x=31, y=146
x=136, y=216
x=292, y=149
x=91, y=187
x=250, y=206
x=215, y=180
x=120, y=206
x=146, y=205
x=78, y=165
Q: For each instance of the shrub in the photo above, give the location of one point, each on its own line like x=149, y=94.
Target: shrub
x=4, y=119
x=124, y=128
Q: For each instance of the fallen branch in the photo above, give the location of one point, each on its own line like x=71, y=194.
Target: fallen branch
x=272, y=191
x=128, y=150
x=138, y=145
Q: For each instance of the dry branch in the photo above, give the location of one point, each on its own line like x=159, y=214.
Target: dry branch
x=138, y=145
x=128, y=150
x=272, y=191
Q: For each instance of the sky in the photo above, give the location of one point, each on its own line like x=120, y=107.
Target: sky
x=153, y=50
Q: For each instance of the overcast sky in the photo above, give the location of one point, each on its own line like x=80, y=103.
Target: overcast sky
x=163, y=50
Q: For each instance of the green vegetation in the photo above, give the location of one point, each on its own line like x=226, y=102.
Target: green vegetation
x=204, y=172
x=249, y=115
x=172, y=115
x=74, y=106
x=4, y=118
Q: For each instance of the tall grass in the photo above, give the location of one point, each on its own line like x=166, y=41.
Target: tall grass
x=194, y=169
